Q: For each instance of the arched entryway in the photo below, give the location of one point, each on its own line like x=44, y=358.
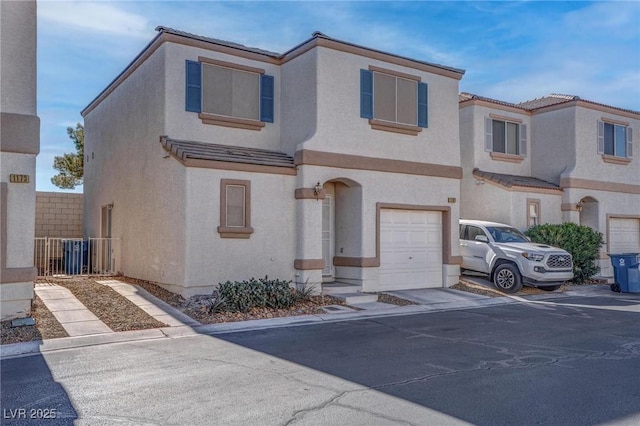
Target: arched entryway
x=341, y=223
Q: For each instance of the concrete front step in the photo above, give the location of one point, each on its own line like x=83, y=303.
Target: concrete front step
x=355, y=298
x=334, y=288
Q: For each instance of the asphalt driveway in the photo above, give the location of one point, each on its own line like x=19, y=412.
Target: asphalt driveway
x=570, y=360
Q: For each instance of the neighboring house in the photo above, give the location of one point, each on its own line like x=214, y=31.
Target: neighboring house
x=213, y=161
x=19, y=145
x=554, y=159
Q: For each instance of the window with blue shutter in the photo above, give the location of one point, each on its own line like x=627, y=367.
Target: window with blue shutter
x=423, y=107
x=193, y=101
x=366, y=94
x=226, y=93
x=394, y=101
x=266, y=98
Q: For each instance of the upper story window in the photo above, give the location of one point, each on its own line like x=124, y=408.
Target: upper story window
x=229, y=94
x=615, y=140
x=503, y=136
x=393, y=101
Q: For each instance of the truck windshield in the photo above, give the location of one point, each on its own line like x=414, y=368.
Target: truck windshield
x=505, y=234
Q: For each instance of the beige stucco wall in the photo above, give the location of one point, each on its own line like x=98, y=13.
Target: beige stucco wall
x=298, y=100
x=487, y=201
x=19, y=142
x=340, y=128
x=270, y=249
x=18, y=57
x=472, y=141
x=553, y=144
x=589, y=164
x=20, y=209
x=59, y=214
x=128, y=168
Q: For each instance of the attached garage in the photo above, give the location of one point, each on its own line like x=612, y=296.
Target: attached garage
x=410, y=249
x=624, y=235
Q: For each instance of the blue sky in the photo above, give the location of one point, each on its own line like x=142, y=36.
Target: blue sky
x=512, y=51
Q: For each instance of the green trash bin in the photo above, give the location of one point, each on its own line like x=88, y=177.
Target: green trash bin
x=626, y=272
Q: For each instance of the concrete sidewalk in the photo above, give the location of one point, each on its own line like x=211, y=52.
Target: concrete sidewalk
x=74, y=317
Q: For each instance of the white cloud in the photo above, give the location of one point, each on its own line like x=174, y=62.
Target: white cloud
x=619, y=19
x=102, y=18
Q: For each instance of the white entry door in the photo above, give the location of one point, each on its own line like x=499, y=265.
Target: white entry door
x=410, y=249
x=624, y=235
x=328, y=230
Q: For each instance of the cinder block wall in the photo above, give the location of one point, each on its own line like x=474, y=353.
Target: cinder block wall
x=59, y=214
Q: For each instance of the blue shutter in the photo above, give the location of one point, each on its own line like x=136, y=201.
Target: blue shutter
x=423, y=107
x=266, y=98
x=193, y=87
x=366, y=94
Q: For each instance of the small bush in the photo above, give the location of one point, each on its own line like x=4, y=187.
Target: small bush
x=581, y=241
x=304, y=291
x=241, y=296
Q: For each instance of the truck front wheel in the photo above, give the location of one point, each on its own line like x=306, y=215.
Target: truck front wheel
x=507, y=278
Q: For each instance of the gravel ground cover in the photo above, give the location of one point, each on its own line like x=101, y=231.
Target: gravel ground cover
x=470, y=287
x=47, y=327
x=115, y=310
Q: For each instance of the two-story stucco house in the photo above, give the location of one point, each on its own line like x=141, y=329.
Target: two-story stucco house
x=555, y=159
x=213, y=161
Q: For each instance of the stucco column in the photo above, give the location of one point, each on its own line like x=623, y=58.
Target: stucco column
x=571, y=216
x=308, y=262
x=19, y=145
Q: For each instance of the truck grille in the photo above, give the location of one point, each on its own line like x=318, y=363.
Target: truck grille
x=559, y=261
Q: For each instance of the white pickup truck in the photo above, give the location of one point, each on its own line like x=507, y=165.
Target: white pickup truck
x=510, y=258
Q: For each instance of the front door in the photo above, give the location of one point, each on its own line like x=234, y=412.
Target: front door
x=328, y=229
x=104, y=246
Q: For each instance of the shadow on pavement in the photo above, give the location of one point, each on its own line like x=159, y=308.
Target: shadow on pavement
x=31, y=395
x=510, y=364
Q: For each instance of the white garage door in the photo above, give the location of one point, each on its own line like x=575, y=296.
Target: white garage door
x=410, y=249
x=624, y=235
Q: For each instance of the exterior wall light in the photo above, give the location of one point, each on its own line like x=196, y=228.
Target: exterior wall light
x=317, y=190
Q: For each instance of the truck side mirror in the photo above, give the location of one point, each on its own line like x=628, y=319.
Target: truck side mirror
x=482, y=238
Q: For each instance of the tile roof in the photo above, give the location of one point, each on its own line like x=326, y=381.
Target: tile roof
x=185, y=150
x=515, y=180
x=314, y=35
x=168, y=30
x=464, y=96
x=538, y=103
x=545, y=101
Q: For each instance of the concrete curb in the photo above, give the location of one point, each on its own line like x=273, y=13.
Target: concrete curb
x=32, y=348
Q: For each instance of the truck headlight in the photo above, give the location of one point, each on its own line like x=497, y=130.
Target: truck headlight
x=534, y=257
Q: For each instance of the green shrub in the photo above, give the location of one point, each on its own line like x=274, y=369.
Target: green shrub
x=241, y=296
x=581, y=241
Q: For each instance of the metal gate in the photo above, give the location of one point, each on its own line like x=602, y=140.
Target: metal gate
x=75, y=256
